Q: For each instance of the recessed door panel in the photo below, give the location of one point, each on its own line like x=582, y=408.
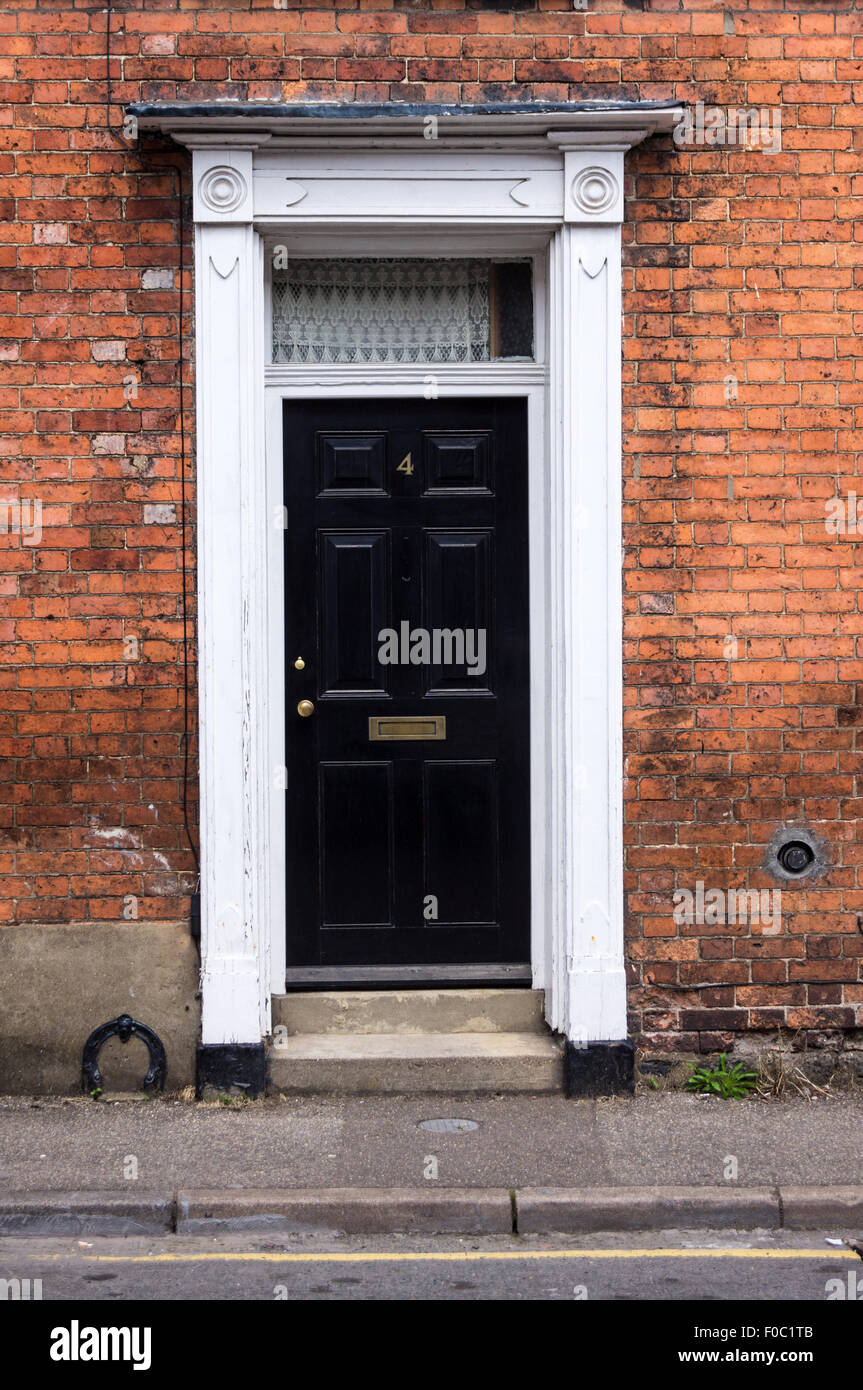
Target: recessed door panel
x=458, y=610
x=352, y=463
x=354, y=605
x=461, y=840
x=458, y=462
x=356, y=827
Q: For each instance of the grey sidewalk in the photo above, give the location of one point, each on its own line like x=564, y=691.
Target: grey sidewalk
x=359, y=1166
x=662, y=1140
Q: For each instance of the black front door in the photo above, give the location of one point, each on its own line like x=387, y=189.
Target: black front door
x=407, y=689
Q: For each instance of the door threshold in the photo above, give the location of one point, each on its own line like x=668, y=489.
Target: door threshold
x=495, y=975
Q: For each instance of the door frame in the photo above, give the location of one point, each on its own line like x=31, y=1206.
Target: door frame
x=585, y=989
x=490, y=176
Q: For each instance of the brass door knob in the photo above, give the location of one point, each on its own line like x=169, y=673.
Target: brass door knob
x=305, y=708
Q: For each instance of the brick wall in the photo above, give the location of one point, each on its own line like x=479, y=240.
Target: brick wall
x=742, y=697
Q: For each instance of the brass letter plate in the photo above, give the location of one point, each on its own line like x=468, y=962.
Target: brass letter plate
x=389, y=727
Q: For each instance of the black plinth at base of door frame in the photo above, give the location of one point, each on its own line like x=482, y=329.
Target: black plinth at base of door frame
x=599, y=1069
x=231, y=1068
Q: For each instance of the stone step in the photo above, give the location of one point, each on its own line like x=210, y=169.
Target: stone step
x=416, y=1063
x=411, y=1011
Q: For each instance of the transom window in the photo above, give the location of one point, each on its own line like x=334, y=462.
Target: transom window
x=388, y=309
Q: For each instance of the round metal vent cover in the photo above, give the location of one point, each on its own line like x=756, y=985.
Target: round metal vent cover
x=796, y=856
x=448, y=1126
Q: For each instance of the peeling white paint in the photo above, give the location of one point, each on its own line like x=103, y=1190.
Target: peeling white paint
x=117, y=835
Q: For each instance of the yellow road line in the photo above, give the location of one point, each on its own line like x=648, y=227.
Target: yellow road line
x=454, y=1256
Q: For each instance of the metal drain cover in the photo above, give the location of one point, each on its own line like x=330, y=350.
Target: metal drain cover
x=449, y=1126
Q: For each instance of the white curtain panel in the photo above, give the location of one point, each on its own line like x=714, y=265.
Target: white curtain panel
x=381, y=310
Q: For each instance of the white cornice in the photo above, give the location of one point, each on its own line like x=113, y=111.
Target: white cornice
x=248, y=125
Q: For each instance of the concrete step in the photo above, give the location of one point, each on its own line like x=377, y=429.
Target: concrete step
x=412, y=1011
x=416, y=1063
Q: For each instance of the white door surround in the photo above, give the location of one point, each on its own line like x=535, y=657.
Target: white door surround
x=541, y=181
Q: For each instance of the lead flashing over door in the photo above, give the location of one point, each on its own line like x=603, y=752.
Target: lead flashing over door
x=308, y=122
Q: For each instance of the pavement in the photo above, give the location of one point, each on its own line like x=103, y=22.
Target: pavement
x=364, y=1165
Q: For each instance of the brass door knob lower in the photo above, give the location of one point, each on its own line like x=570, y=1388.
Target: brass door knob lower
x=305, y=708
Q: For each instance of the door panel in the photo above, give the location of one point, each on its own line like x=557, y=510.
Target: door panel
x=356, y=822
x=461, y=842
x=457, y=462
x=353, y=606
x=406, y=583
x=458, y=599
x=351, y=463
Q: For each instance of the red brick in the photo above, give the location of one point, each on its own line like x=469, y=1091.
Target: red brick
x=735, y=263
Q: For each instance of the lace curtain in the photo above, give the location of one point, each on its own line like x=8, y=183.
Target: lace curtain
x=382, y=310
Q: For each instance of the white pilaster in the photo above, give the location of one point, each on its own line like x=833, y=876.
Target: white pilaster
x=586, y=987
x=231, y=599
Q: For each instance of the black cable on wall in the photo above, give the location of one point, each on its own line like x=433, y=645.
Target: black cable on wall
x=119, y=134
